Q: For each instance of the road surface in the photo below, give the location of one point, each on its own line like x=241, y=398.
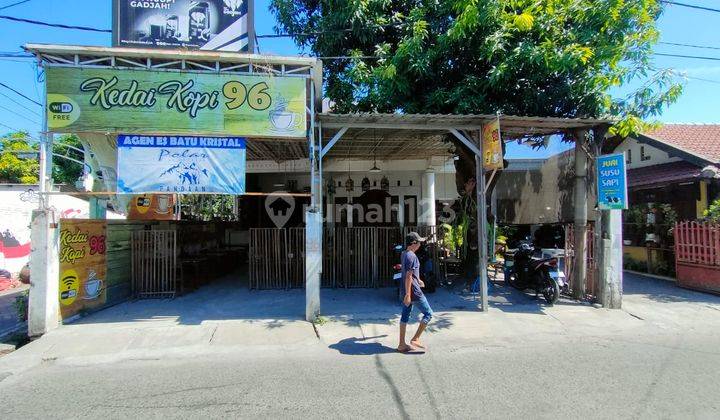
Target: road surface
x=658, y=357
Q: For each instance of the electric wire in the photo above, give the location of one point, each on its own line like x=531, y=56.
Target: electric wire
x=17, y=3
x=18, y=114
x=695, y=57
x=20, y=105
x=691, y=6
x=21, y=94
x=54, y=25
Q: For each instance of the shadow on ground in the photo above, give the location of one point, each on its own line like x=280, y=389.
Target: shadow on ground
x=230, y=299
x=663, y=291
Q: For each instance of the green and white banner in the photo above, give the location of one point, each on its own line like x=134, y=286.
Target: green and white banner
x=168, y=102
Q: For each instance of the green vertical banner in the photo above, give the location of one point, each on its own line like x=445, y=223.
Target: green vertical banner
x=169, y=102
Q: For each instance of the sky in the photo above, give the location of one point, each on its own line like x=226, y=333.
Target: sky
x=699, y=103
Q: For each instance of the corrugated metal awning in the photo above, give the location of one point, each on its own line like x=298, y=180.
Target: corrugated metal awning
x=414, y=136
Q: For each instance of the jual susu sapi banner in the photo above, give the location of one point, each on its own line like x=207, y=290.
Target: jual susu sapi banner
x=180, y=164
x=82, y=266
x=217, y=25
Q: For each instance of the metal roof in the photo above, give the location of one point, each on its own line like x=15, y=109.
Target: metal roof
x=44, y=50
x=509, y=124
x=414, y=136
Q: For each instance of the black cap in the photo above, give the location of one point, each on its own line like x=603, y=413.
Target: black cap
x=414, y=237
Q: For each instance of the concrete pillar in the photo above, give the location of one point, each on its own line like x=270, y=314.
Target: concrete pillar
x=313, y=263
x=44, y=276
x=580, y=225
x=427, y=210
x=482, y=230
x=611, y=280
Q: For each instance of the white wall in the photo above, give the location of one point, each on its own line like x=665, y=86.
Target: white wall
x=653, y=155
x=16, y=206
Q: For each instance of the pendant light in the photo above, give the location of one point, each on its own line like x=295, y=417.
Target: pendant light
x=374, y=168
x=349, y=183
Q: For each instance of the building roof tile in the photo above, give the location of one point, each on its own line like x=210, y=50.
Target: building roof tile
x=699, y=139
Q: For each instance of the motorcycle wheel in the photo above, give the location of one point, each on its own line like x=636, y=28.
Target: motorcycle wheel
x=513, y=281
x=551, y=290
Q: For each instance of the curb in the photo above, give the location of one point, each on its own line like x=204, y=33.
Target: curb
x=654, y=276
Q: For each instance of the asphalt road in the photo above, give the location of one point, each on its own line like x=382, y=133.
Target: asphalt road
x=671, y=369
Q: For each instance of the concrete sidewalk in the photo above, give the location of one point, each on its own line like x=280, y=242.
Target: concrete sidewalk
x=223, y=319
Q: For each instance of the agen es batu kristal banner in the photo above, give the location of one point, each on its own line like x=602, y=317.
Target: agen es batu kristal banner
x=213, y=25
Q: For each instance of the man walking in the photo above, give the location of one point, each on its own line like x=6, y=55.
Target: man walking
x=412, y=294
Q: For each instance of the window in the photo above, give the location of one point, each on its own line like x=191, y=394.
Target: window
x=628, y=156
x=643, y=156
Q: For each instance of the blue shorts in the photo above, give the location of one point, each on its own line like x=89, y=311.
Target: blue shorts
x=424, y=307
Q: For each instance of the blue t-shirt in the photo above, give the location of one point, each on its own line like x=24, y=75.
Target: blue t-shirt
x=410, y=262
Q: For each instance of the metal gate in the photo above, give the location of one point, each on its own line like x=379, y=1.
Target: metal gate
x=154, y=263
x=277, y=258
x=353, y=257
x=591, y=286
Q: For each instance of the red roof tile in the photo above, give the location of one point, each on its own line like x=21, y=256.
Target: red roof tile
x=699, y=139
x=663, y=174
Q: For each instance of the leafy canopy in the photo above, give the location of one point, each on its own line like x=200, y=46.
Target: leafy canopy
x=544, y=58
x=17, y=167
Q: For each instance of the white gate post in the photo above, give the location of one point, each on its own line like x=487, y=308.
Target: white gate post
x=44, y=277
x=611, y=281
x=313, y=263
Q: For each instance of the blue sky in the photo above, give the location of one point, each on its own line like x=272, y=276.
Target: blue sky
x=699, y=103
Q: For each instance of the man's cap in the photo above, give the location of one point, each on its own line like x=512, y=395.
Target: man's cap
x=414, y=237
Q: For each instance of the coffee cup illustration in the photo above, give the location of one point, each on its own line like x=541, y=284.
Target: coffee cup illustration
x=280, y=117
x=93, y=286
x=163, y=204
x=282, y=120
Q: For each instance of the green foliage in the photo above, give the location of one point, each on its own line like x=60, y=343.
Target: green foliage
x=630, y=263
x=66, y=171
x=712, y=214
x=15, y=167
x=207, y=207
x=524, y=57
x=21, y=305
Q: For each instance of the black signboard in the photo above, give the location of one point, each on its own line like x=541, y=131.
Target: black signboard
x=213, y=25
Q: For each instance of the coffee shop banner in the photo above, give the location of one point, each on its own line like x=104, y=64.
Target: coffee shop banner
x=82, y=266
x=153, y=207
x=180, y=164
x=174, y=102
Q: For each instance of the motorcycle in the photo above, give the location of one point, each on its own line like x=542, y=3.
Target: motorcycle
x=526, y=271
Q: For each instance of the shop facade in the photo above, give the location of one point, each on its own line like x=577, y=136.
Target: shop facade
x=325, y=196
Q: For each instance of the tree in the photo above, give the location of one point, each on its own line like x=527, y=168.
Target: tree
x=24, y=168
x=525, y=57
x=554, y=58
x=67, y=171
x=15, y=166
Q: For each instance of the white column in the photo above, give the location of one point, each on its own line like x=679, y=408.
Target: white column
x=581, y=216
x=313, y=263
x=482, y=229
x=611, y=281
x=44, y=277
x=427, y=216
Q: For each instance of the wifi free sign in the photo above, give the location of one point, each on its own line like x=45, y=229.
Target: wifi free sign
x=82, y=266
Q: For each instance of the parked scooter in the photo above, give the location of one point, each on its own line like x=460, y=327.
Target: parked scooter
x=526, y=271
